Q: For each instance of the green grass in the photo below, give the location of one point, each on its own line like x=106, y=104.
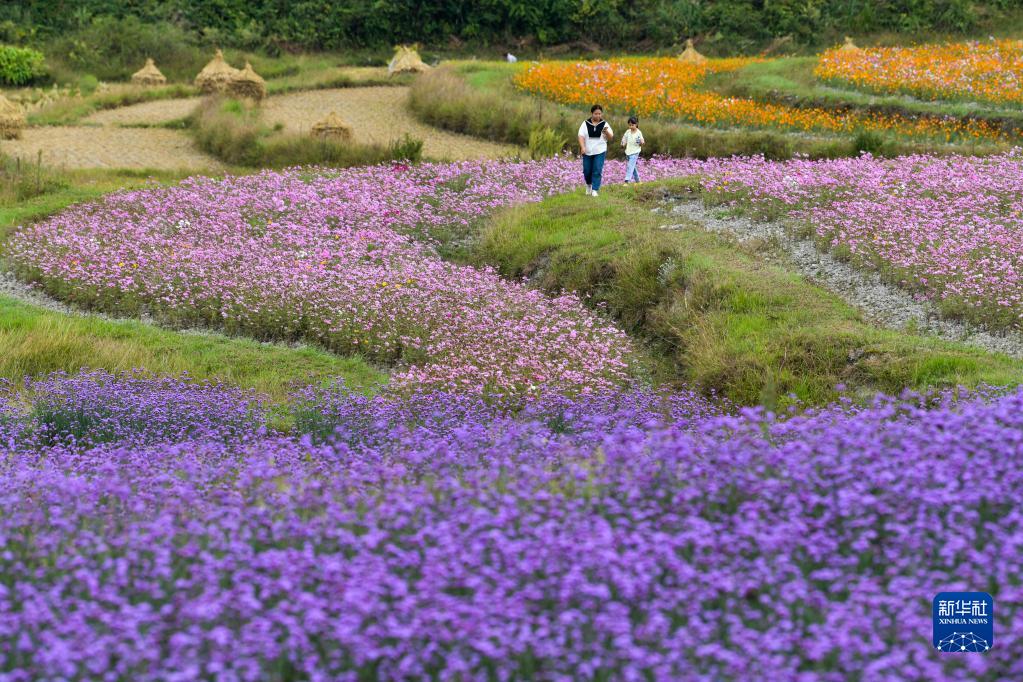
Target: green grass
x=715, y=316
x=67, y=111
x=36, y=341
x=334, y=77
x=487, y=75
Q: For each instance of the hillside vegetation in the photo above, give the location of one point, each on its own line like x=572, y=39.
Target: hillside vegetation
x=730, y=25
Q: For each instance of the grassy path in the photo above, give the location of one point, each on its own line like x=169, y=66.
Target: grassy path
x=35, y=341
x=719, y=316
x=791, y=81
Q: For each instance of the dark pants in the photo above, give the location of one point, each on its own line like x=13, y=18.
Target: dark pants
x=593, y=169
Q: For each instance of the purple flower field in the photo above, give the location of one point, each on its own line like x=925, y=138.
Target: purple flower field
x=588, y=540
x=93, y=408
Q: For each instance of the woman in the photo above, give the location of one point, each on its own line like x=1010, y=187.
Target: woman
x=594, y=134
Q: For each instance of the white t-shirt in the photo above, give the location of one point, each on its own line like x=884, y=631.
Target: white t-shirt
x=631, y=140
x=594, y=145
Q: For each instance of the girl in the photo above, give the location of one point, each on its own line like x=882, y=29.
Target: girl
x=594, y=134
x=633, y=141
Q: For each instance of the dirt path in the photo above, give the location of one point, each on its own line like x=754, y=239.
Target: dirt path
x=152, y=113
x=377, y=114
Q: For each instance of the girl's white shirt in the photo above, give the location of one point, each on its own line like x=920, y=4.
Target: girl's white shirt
x=631, y=141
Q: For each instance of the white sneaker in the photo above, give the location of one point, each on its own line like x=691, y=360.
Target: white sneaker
x=589, y=190
x=594, y=193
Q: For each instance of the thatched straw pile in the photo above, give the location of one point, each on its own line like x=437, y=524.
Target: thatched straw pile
x=12, y=120
x=690, y=55
x=848, y=46
x=406, y=60
x=333, y=128
x=215, y=76
x=148, y=75
x=247, y=84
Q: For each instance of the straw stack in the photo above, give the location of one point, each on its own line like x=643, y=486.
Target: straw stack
x=215, y=76
x=406, y=60
x=12, y=120
x=848, y=46
x=247, y=84
x=690, y=55
x=333, y=128
x=148, y=75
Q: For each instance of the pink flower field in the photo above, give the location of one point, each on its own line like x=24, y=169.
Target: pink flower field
x=344, y=258
x=330, y=257
x=950, y=228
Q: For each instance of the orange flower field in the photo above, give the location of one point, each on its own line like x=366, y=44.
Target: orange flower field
x=985, y=72
x=667, y=87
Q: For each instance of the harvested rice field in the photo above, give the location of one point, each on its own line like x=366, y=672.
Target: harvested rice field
x=109, y=147
x=377, y=114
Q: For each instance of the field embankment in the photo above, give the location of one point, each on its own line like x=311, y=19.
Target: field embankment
x=719, y=316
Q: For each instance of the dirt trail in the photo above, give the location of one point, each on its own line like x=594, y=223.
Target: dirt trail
x=110, y=147
x=146, y=113
x=377, y=114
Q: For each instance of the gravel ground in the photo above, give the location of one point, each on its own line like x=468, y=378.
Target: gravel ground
x=881, y=303
x=11, y=286
x=377, y=115
x=110, y=147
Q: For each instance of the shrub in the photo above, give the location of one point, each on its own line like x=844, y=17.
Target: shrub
x=87, y=84
x=545, y=143
x=728, y=25
x=114, y=48
x=869, y=141
x=20, y=65
x=407, y=148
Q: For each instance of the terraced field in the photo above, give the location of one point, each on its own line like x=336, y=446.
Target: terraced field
x=115, y=138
